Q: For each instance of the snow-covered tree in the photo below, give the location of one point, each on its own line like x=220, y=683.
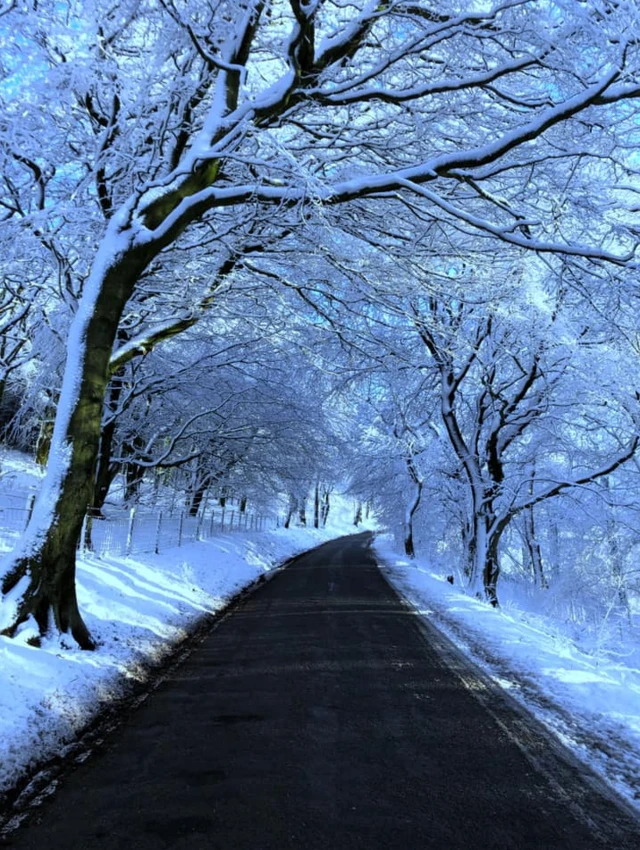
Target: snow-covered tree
x=189, y=122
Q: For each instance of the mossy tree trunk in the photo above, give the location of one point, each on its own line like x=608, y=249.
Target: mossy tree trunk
x=412, y=507
x=47, y=555
x=142, y=227
x=106, y=469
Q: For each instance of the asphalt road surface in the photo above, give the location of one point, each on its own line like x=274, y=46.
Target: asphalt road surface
x=322, y=713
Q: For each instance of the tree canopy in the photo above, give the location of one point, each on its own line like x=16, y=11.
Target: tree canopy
x=356, y=236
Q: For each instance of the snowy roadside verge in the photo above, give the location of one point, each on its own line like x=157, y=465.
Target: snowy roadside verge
x=141, y=610
x=592, y=704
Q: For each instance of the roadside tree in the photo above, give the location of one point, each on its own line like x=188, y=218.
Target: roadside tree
x=198, y=118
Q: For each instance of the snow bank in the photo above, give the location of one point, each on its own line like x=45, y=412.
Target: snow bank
x=591, y=702
x=138, y=609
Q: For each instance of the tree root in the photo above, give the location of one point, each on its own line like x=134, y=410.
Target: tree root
x=46, y=608
x=18, y=571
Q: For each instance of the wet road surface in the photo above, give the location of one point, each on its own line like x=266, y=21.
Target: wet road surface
x=322, y=713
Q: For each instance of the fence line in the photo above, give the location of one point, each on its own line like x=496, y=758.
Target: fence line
x=128, y=531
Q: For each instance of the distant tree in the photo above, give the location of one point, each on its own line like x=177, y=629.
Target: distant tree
x=505, y=386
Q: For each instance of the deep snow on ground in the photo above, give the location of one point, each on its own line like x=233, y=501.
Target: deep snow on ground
x=138, y=608
x=591, y=701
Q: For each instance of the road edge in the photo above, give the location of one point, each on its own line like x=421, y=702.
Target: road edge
x=559, y=764
x=41, y=779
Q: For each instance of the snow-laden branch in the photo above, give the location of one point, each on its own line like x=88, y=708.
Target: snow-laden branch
x=508, y=235
x=346, y=43
x=589, y=478
x=15, y=319
x=195, y=188
x=475, y=18
x=454, y=84
x=173, y=441
x=143, y=344
x=454, y=163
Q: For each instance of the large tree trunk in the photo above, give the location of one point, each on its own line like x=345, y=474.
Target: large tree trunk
x=408, y=522
x=468, y=549
x=198, y=494
x=106, y=471
x=316, y=506
x=491, y=572
x=476, y=554
x=105, y=476
x=48, y=549
x=326, y=506
x=357, y=519
x=132, y=470
x=621, y=603
x=533, y=550
x=483, y=552
x=293, y=504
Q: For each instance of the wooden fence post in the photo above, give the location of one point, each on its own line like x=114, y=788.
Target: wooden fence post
x=156, y=548
x=132, y=518
x=198, y=534
x=180, y=527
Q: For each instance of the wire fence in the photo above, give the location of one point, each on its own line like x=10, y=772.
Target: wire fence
x=15, y=512
x=128, y=531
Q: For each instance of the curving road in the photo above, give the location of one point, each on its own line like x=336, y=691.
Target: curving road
x=322, y=713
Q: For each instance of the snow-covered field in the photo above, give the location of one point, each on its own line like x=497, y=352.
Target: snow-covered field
x=591, y=701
